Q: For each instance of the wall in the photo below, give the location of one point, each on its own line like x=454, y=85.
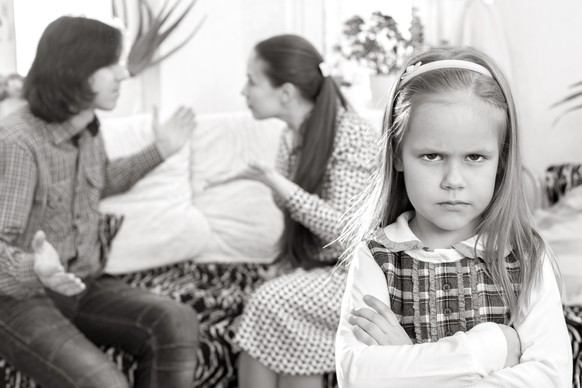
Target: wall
x=545, y=37
x=544, y=56
x=32, y=17
x=7, y=38
x=209, y=73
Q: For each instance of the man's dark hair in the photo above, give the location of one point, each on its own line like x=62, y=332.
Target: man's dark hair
x=70, y=50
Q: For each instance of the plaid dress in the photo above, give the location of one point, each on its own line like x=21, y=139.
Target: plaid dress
x=436, y=300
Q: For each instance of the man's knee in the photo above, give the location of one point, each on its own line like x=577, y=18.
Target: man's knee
x=177, y=325
x=108, y=376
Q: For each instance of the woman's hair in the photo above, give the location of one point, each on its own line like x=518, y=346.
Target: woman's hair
x=70, y=50
x=291, y=58
x=507, y=221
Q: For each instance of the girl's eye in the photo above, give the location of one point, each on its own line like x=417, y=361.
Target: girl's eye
x=430, y=157
x=475, y=158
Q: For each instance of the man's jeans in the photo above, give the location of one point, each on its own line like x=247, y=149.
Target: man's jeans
x=52, y=338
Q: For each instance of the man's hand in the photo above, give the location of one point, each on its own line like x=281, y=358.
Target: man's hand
x=49, y=269
x=378, y=326
x=174, y=133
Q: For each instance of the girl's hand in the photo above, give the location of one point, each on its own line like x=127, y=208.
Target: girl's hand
x=256, y=171
x=378, y=326
x=513, y=346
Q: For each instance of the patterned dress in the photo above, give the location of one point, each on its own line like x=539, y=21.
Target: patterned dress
x=289, y=323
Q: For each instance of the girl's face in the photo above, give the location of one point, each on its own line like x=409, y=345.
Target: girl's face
x=263, y=99
x=449, y=160
x=105, y=83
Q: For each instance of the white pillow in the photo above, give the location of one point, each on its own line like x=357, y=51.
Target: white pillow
x=245, y=222
x=161, y=226
x=561, y=227
x=165, y=223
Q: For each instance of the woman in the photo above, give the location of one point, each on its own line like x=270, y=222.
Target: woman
x=325, y=159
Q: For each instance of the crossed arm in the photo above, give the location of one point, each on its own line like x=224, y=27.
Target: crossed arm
x=475, y=358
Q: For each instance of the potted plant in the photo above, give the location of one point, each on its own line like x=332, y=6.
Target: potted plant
x=151, y=31
x=574, y=97
x=147, y=30
x=377, y=44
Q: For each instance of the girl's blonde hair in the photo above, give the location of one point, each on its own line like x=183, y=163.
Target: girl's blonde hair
x=507, y=221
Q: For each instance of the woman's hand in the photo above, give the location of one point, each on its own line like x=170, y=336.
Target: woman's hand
x=255, y=171
x=260, y=172
x=274, y=270
x=377, y=326
x=172, y=135
x=513, y=346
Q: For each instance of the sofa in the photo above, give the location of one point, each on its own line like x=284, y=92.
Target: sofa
x=206, y=247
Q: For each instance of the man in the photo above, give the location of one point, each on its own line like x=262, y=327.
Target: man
x=55, y=302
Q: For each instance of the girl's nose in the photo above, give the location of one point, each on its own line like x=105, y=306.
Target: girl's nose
x=453, y=178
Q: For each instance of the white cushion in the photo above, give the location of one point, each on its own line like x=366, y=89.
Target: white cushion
x=245, y=222
x=170, y=218
x=160, y=225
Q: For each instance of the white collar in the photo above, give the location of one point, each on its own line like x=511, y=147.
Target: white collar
x=398, y=237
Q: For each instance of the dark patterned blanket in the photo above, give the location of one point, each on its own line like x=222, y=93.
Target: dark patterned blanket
x=217, y=292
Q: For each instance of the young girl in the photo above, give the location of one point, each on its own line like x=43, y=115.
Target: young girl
x=455, y=288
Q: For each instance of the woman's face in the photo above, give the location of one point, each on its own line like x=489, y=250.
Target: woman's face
x=263, y=99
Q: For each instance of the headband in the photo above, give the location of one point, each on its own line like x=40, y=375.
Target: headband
x=419, y=68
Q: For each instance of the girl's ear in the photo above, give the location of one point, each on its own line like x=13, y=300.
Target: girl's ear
x=398, y=166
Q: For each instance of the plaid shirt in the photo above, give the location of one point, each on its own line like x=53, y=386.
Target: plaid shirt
x=436, y=300
x=52, y=177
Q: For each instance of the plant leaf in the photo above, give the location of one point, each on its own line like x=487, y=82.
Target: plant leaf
x=567, y=99
x=150, y=35
x=183, y=43
x=172, y=27
x=163, y=17
x=579, y=83
x=567, y=111
x=114, y=9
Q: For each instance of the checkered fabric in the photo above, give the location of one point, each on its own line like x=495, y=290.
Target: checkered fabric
x=52, y=177
x=436, y=300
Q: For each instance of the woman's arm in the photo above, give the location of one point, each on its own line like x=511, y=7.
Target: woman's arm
x=352, y=164
x=456, y=361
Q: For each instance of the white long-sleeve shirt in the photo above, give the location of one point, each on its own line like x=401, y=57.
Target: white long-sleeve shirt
x=473, y=358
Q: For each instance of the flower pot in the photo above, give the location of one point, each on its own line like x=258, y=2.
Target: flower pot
x=379, y=87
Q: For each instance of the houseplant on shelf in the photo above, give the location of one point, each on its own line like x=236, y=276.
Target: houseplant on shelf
x=377, y=45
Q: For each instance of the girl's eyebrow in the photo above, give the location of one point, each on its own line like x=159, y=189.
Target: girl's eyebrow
x=437, y=150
